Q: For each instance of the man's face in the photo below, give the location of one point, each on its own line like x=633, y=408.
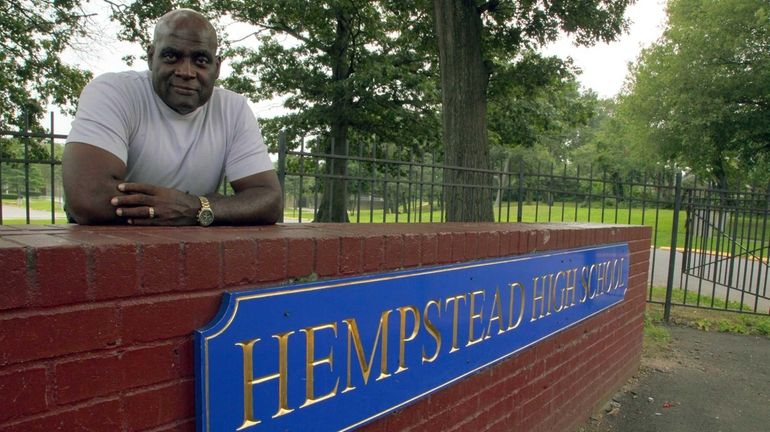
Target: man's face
x=184, y=65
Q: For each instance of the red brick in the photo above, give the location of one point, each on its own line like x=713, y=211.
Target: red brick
x=98, y=376
x=412, y=250
x=444, y=248
x=532, y=240
x=50, y=334
x=161, y=263
x=271, y=259
x=202, y=266
x=374, y=253
x=429, y=248
x=301, y=255
x=178, y=426
x=327, y=256
x=22, y=392
x=483, y=245
x=14, y=290
x=115, y=271
x=61, y=275
x=101, y=416
x=240, y=262
x=85, y=378
x=394, y=252
x=351, y=260
x=511, y=243
x=160, y=405
x=471, y=242
x=460, y=248
x=157, y=319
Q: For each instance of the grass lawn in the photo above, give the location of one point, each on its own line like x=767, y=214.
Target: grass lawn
x=707, y=319
x=41, y=204
x=660, y=220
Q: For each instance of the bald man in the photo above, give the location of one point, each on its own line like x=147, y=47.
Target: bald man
x=150, y=148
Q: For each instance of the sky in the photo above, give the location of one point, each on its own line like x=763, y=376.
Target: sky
x=604, y=66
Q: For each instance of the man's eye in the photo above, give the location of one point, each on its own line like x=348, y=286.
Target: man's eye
x=169, y=57
x=203, y=61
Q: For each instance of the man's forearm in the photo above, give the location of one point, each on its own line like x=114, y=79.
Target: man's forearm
x=90, y=205
x=253, y=206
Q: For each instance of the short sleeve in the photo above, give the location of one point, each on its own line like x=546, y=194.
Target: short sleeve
x=102, y=118
x=247, y=154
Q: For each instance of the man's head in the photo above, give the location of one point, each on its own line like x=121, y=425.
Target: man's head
x=183, y=60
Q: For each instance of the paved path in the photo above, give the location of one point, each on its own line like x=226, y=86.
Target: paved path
x=707, y=382
x=14, y=212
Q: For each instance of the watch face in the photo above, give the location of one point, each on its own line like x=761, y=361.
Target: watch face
x=205, y=217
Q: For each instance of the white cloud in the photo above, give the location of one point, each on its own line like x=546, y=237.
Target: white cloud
x=605, y=66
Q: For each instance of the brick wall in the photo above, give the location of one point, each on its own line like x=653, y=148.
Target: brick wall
x=96, y=322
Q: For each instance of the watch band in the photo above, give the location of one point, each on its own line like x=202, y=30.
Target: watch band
x=205, y=214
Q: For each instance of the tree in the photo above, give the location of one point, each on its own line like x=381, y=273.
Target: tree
x=33, y=34
x=474, y=39
x=346, y=68
x=701, y=95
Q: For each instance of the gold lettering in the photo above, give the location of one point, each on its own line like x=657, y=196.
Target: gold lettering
x=355, y=338
x=538, y=298
x=593, y=294
x=619, y=269
x=496, y=315
x=570, y=288
x=585, y=283
x=311, y=363
x=403, y=339
x=455, y=312
x=601, y=278
x=522, y=294
x=432, y=330
x=609, y=271
x=473, y=316
x=554, y=286
x=249, y=381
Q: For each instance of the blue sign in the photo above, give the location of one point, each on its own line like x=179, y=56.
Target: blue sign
x=333, y=355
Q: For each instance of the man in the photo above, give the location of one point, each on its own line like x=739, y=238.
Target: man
x=150, y=148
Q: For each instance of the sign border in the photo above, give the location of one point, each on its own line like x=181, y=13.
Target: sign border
x=231, y=300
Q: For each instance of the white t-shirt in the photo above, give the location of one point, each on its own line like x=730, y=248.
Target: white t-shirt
x=122, y=114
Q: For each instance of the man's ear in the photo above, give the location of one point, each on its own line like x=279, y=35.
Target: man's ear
x=218, y=59
x=150, y=55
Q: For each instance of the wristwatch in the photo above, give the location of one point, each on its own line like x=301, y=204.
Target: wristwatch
x=205, y=214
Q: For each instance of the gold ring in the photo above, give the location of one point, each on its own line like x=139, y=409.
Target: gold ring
x=152, y=212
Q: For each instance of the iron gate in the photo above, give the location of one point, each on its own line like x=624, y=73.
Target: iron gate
x=726, y=249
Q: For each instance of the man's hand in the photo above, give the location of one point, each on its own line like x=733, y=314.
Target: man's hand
x=145, y=204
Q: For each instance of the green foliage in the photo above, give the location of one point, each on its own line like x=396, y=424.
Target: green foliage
x=33, y=34
x=701, y=94
x=536, y=101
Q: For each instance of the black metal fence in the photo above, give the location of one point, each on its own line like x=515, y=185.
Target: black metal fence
x=383, y=183
x=30, y=175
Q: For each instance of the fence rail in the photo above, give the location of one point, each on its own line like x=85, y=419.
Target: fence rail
x=381, y=183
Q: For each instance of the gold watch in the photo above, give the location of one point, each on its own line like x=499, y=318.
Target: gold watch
x=205, y=214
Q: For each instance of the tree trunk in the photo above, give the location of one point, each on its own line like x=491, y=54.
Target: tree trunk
x=464, y=79
x=333, y=207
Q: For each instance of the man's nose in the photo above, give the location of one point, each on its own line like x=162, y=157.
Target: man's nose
x=185, y=69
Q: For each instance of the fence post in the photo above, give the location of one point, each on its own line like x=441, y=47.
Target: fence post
x=26, y=165
x=282, y=168
x=520, y=206
x=672, y=255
